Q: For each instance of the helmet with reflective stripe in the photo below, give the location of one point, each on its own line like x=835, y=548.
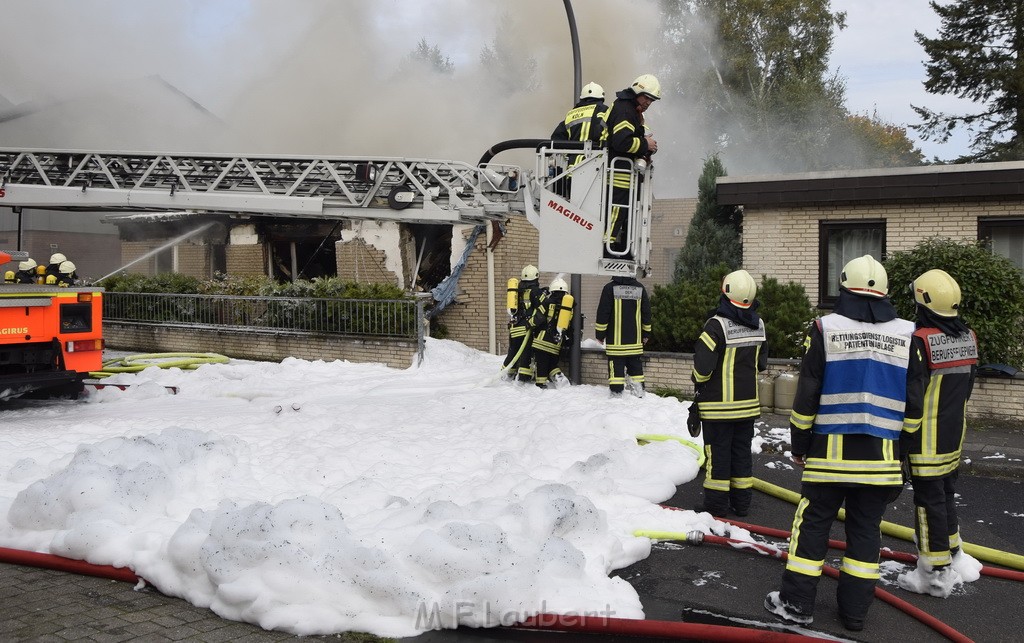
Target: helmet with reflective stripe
x=592, y=90
x=647, y=85
x=529, y=273
x=865, y=276
x=740, y=288
x=938, y=292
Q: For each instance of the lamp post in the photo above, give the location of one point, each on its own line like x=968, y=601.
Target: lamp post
x=575, y=280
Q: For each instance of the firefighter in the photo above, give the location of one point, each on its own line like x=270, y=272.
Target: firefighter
x=53, y=267
x=726, y=360
x=623, y=325
x=26, y=272
x=66, y=274
x=950, y=351
x=860, y=391
x=627, y=139
x=586, y=121
x=522, y=297
x=551, y=321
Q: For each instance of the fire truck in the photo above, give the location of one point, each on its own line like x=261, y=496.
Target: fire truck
x=51, y=337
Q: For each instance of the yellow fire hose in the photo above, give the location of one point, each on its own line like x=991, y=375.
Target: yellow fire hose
x=644, y=438
x=136, y=363
x=987, y=554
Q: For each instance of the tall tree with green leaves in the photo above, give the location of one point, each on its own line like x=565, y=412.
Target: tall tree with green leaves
x=978, y=55
x=714, y=234
x=759, y=71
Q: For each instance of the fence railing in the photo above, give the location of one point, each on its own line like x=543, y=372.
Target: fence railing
x=386, y=318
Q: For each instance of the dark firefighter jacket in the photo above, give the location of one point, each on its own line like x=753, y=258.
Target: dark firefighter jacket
x=626, y=127
x=726, y=360
x=855, y=406
x=586, y=121
x=546, y=336
x=952, y=364
x=528, y=295
x=623, y=317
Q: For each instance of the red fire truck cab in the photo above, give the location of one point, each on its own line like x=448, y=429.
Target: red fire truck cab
x=51, y=337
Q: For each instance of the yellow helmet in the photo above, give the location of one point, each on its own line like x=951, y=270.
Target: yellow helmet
x=592, y=90
x=740, y=288
x=529, y=273
x=938, y=292
x=648, y=85
x=865, y=276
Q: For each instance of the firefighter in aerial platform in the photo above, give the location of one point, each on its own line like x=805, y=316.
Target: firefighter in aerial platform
x=727, y=357
x=26, y=272
x=628, y=139
x=551, y=321
x=859, y=397
x=586, y=121
x=521, y=298
x=53, y=268
x=950, y=351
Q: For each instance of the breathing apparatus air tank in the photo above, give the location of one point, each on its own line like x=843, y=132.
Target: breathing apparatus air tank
x=512, y=294
x=565, y=312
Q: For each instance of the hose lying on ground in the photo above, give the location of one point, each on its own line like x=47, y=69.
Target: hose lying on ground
x=987, y=554
x=136, y=363
x=698, y=537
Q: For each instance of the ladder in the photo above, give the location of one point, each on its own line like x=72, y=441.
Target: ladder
x=321, y=187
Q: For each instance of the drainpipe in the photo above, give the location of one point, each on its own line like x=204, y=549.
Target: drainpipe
x=492, y=346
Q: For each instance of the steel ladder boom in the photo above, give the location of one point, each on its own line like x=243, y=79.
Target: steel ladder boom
x=408, y=190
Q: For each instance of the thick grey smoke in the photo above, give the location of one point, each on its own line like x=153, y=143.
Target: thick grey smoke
x=318, y=76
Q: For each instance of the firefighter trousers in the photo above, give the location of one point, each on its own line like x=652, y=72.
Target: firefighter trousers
x=728, y=474
x=815, y=513
x=935, y=520
x=622, y=365
x=520, y=352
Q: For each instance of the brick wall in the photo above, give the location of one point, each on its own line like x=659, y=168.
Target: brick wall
x=245, y=260
x=362, y=263
x=783, y=242
x=246, y=344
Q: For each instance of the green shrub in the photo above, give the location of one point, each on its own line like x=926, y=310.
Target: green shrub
x=992, y=289
x=787, y=312
x=679, y=310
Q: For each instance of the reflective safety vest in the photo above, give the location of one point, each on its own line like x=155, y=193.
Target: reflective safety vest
x=731, y=354
x=864, y=387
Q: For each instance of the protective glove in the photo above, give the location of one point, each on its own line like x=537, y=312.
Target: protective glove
x=693, y=421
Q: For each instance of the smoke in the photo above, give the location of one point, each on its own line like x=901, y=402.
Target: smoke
x=320, y=76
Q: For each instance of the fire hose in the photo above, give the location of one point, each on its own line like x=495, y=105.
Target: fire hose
x=698, y=538
x=136, y=363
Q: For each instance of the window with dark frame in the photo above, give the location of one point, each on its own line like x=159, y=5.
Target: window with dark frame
x=1005, y=235
x=838, y=243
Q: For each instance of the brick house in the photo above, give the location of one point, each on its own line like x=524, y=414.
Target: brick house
x=805, y=227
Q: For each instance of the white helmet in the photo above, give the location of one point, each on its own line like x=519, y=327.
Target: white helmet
x=66, y=268
x=529, y=273
x=592, y=90
x=28, y=264
x=865, y=276
x=57, y=258
x=740, y=288
x=937, y=291
x=647, y=85
x=559, y=284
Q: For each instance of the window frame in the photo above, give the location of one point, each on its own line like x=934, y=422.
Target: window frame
x=827, y=227
x=986, y=225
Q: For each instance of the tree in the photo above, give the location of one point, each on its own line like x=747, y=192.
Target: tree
x=504, y=63
x=992, y=289
x=977, y=56
x=428, y=57
x=883, y=144
x=758, y=70
x=714, y=233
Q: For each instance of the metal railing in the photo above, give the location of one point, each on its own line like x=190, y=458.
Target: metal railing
x=388, y=318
